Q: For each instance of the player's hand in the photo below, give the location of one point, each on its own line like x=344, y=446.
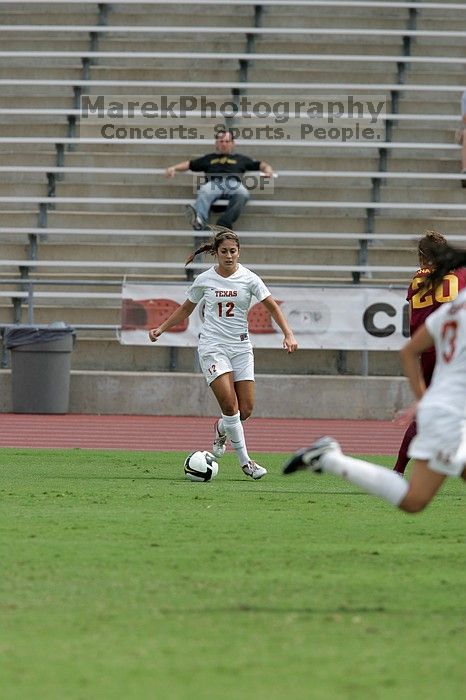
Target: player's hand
x=289, y=343
x=406, y=415
x=154, y=334
x=170, y=172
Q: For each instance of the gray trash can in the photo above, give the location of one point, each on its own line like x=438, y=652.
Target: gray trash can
x=40, y=368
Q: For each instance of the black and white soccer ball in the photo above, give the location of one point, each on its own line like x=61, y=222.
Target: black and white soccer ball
x=200, y=466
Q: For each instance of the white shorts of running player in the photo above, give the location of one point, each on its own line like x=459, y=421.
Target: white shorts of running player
x=440, y=439
x=216, y=361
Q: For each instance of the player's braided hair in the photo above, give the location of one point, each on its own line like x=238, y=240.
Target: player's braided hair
x=219, y=234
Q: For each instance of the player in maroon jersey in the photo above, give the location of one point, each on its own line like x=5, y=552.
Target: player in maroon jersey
x=422, y=302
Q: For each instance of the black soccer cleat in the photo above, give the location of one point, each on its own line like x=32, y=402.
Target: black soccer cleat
x=309, y=457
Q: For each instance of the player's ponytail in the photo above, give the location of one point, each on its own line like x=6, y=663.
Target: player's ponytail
x=204, y=248
x=220, y=234
x=452, y=258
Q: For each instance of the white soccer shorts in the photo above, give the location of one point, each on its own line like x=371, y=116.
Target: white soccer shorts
x=216, y=361
x=440, y=439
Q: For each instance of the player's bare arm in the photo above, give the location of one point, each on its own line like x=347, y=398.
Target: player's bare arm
x=289, y=342
x=176, y=317
x=410, y=354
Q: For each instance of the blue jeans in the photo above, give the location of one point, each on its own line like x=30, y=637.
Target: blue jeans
x=224, y=188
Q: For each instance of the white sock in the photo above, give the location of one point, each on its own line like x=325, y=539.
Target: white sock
x=234, y=429
x=372, y=478
x=221, y=427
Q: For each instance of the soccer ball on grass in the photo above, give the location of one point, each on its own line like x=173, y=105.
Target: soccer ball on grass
x=200, y=466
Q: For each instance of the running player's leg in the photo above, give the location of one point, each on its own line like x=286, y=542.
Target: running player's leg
x=325, y=455
x=423, y=486
x=245, y=393
x=224, y=391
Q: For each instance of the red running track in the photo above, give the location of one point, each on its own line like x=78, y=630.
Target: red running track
x=190, y=433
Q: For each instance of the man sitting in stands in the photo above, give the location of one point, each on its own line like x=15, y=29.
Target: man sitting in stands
x=223, y=170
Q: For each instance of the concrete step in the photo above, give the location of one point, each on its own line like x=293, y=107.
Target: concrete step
x=56, y=130
x=423, y=133
x=391, y=45
x=187, y=16
x=251, y=221
x=12, y=251
x=46, y=158
x=416, y=226
x=168, y=63
x=24, y=149
x=37, y=14
x=43, y=91
x=453, y=193
x=313, y=190
x=344, y=18
x=304, y=160
x=23, y=123
x=20, y=217
x=272, y=252
x=44, y=69
x=446, y=45
x=443, y=164
x=197, y=42
x=121, y=252
x=424, y=47
x=411, y=103
x=269, y=210
x=228, y=72
x=174, y=153
x=24, y=179
x=32, y=65
x=30, y=189
x=439, y=21
x=40, y=41
x=401, y=160
x=441, y=73
x=28, y=101
x=435, y=77
x=320, y=72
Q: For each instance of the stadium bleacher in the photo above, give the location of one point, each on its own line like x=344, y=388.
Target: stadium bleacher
x=92, y=211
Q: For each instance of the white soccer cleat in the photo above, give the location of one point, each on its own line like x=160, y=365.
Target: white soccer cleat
x=309, y=457
x=219, y=445
x=255, y=471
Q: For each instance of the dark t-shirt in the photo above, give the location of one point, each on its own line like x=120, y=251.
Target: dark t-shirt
x=218, y=164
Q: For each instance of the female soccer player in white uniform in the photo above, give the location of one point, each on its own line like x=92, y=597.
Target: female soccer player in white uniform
x=439, y=449
x=225, y=351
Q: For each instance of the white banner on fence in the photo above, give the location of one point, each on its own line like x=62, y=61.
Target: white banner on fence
x=341, y=318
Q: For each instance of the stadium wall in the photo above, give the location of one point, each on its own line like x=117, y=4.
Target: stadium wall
x=175, y=394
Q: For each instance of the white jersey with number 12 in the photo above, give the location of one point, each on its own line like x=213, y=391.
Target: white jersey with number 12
x=227, y=302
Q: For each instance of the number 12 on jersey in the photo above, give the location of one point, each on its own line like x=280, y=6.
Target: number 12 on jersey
x=226, y=309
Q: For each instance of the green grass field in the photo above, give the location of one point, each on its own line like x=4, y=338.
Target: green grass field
x=120, y=579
